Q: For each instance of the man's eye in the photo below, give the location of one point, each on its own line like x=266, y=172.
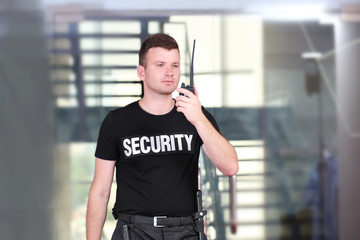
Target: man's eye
x=160, y=65
x=176, y=66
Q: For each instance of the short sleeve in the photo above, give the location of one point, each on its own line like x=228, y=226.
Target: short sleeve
x=212, y=120
x=107, y=143
x=210, y=117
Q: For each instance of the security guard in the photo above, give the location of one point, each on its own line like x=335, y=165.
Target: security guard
x=154, y=144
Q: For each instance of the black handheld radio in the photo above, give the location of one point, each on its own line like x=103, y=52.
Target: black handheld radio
x=191, y=86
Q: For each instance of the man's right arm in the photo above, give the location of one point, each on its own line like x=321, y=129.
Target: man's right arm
x=98, y=198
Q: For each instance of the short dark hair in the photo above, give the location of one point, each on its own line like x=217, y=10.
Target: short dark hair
x=156, y=40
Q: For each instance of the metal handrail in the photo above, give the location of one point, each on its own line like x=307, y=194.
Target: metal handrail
x=233, y=201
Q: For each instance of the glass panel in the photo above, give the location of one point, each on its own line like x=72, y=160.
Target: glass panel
x=113, y=89
x=66, y=102
x=127, y=27
x=61, y=74
x=295, y=126
x=250, y=153
x=212, y=97
x=110, y=59
x=61, y=59
x=243, y=90
x=60, y=43
x=89, y=27
x=110, y=101
x=207, y=32
x=82, y=171
x=154, y=27
x=65, y=89
x=90, y=44
x=111, y=75
x=110, y=44
x=60, y=27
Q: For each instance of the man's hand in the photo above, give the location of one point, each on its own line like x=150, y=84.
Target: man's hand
x=215, y=146
x=189, y=105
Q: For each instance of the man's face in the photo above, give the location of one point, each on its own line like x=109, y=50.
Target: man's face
x=161, y=73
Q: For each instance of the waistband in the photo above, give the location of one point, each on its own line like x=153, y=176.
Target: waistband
x=156, y=221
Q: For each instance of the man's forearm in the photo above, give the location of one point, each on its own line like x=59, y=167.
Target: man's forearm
x=95, y=216
x=217, y=148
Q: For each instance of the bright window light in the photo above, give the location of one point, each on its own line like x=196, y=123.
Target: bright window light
x=294, y=12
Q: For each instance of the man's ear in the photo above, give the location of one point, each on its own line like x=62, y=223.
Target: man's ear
x=141, y=72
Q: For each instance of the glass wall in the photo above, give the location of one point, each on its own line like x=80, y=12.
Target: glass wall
x=270, y=85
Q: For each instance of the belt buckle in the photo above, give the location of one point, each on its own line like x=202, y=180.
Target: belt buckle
x=156, y=219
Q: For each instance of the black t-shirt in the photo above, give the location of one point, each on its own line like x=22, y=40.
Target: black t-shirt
x=157, y=160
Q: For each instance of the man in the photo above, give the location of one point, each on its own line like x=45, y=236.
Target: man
x=154, y=144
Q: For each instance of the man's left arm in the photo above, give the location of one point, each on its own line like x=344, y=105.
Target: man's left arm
x=215, y=146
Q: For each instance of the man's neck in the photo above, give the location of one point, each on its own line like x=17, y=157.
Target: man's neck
x=157, y=106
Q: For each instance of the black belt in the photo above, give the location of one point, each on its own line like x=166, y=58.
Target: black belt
x=157, y=221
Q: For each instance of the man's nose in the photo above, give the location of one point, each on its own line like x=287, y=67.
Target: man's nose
x=169, y=70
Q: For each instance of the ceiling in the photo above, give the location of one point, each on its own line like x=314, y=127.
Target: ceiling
x=242, y=6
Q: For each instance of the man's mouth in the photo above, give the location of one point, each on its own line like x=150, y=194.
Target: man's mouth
x=168, y=81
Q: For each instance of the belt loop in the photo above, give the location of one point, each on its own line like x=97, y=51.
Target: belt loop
x=132, y=218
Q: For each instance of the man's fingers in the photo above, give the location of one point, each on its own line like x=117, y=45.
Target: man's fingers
x=181, y=104
x=185, y=92
x=182, y=99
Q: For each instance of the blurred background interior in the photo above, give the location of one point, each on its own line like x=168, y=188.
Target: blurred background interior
x=280, y=77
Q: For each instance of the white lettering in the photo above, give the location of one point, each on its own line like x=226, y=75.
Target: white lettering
x=155, y=144
x=172, y=140
x=165, y=143
x=135, y=144
x=126, y=143
x=179, y=137
x=188, y=139
x=143, y=148
x=157, y=149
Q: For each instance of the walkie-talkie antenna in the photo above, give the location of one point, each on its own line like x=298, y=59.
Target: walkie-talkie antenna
x=191, y=86
x=192, y=67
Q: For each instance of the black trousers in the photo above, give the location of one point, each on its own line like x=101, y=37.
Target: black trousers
x=147, y=231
